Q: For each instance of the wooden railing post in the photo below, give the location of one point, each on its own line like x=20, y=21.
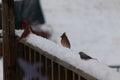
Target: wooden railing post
x=8, y=39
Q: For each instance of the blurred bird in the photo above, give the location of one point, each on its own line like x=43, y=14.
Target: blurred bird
x=84, y=56
x=27, y=29
x=64, y=41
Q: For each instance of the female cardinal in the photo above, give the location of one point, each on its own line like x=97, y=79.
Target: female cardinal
x=64, y=41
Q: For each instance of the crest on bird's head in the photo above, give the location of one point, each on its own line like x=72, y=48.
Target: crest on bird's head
x=64, y=34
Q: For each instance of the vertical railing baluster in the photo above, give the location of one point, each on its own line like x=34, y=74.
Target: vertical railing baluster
x=29, y=54
x=76, y=76
x=52, y=69
x=45, y=66
x=55, y=71
x=58, y=72
x=69, y=75
x=32, y=54
x=32, y=59
x=49, y=69
x=20, y=54
x=37, y=60
x=62, y=73
x=65, y=74
x=26, y=53
x=73, y=74
x=79, y=78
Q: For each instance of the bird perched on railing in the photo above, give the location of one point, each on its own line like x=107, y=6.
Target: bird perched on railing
x=28, y=29
x=64, y=41
x=84, y=56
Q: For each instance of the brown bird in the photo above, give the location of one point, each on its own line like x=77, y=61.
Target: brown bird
x=27, y=29
x=84, y=56
x=64, y=41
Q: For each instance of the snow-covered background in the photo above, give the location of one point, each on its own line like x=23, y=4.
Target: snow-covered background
x=92, y=26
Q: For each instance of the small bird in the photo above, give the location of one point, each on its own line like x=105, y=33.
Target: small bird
x=64, y=41
x=84, y=56
x=27, y=29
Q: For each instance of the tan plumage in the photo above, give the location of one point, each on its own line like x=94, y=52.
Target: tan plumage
x=64, y=41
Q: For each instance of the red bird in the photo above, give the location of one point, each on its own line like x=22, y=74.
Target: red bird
x=28, y=29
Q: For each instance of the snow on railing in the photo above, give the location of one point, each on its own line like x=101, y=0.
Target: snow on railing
x=67, y=60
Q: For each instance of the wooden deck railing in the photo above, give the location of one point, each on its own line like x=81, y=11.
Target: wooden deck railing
x=47, y=66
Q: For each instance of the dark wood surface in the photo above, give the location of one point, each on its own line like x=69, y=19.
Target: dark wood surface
x=9, y=43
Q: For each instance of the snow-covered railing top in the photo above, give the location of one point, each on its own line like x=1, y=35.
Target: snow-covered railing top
x=71, y=59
